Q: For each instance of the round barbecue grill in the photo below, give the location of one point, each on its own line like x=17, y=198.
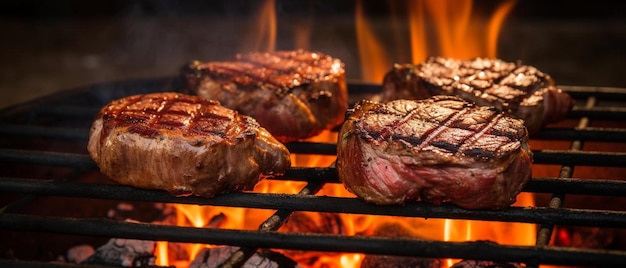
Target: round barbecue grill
x=43, y=157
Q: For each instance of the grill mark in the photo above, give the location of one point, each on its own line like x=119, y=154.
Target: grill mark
x=235, y=72
x=468, y=141
x=280, y=71
x=434, y=132
x=298, y=72
x=149, y=122
x=387, y=131
x=500, y=75
x=428, y=135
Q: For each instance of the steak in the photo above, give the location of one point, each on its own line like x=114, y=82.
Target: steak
x=293, y=94
x=183, y=144
x=520, y=90
x=440, y=149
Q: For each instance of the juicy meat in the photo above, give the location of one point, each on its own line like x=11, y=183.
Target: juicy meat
x=441, y=149
x=521, y=90
x=293, y=94
x=183, y=144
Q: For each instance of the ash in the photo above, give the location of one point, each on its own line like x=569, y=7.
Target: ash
x=214, y=257
x=124, y=253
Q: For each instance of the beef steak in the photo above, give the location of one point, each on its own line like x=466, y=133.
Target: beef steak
x=520, y=90
x=293, y=94
x=183, y=144
x=441, y=149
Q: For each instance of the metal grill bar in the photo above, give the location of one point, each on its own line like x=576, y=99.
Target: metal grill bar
x=80, y=161
x=58, y=133
x=577, y=186
x=320, y=175
x=579, y=158
x=599, y=112
x=316, y=242
x=585, y=134
x=582, y=217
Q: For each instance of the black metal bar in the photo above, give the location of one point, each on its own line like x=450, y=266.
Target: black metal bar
x=579, y=158
x=36, y=264
x=577, y=186
x=321, y=148
x=68, y=111
x=613, y=93
x=81, y=161
x=606, y=113
x=582, y=217
x=478, y=250
x=31, y=131
x=586, y=134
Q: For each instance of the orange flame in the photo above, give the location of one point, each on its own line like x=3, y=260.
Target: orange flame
x=263, y=35
x=374, y=59
x=417, y=32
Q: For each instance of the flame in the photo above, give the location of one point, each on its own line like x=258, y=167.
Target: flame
x=417, y=31
x=458, y=33
x=262, y=36
x=374, y=59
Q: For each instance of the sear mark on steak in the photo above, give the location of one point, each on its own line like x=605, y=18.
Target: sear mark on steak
x=520, y=90
x=293, y=94
x=183, y=144
x=441, y=149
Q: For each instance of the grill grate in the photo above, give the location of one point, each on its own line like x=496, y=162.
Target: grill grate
x=51, y=133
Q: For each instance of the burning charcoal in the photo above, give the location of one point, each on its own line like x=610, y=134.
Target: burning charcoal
x=584, y=237
x=398, y=262
x=214, y=257
x=143, y=212
x=485, y=264
x=326, y=223
x=78, y=254
x=392, y=229
x=124, y=252
x=306, y=222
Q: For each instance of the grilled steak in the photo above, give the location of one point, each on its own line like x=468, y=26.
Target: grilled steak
x=183, y=144
x=521, y=90
x=441, y=149
x=293, y=94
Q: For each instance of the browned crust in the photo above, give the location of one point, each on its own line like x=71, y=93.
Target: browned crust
x=175, y=114
x=184, y=145
x=520, y=90
x=445, y=124
x=293, y=94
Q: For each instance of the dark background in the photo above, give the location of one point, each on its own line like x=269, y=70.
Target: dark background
x=55, y=45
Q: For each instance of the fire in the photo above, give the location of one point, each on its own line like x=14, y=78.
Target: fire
x=370, y=48
x=458, y=33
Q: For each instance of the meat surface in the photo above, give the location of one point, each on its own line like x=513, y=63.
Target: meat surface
x=520, y=90
x=293, y=94
x=183, y=144
x=441, y=149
